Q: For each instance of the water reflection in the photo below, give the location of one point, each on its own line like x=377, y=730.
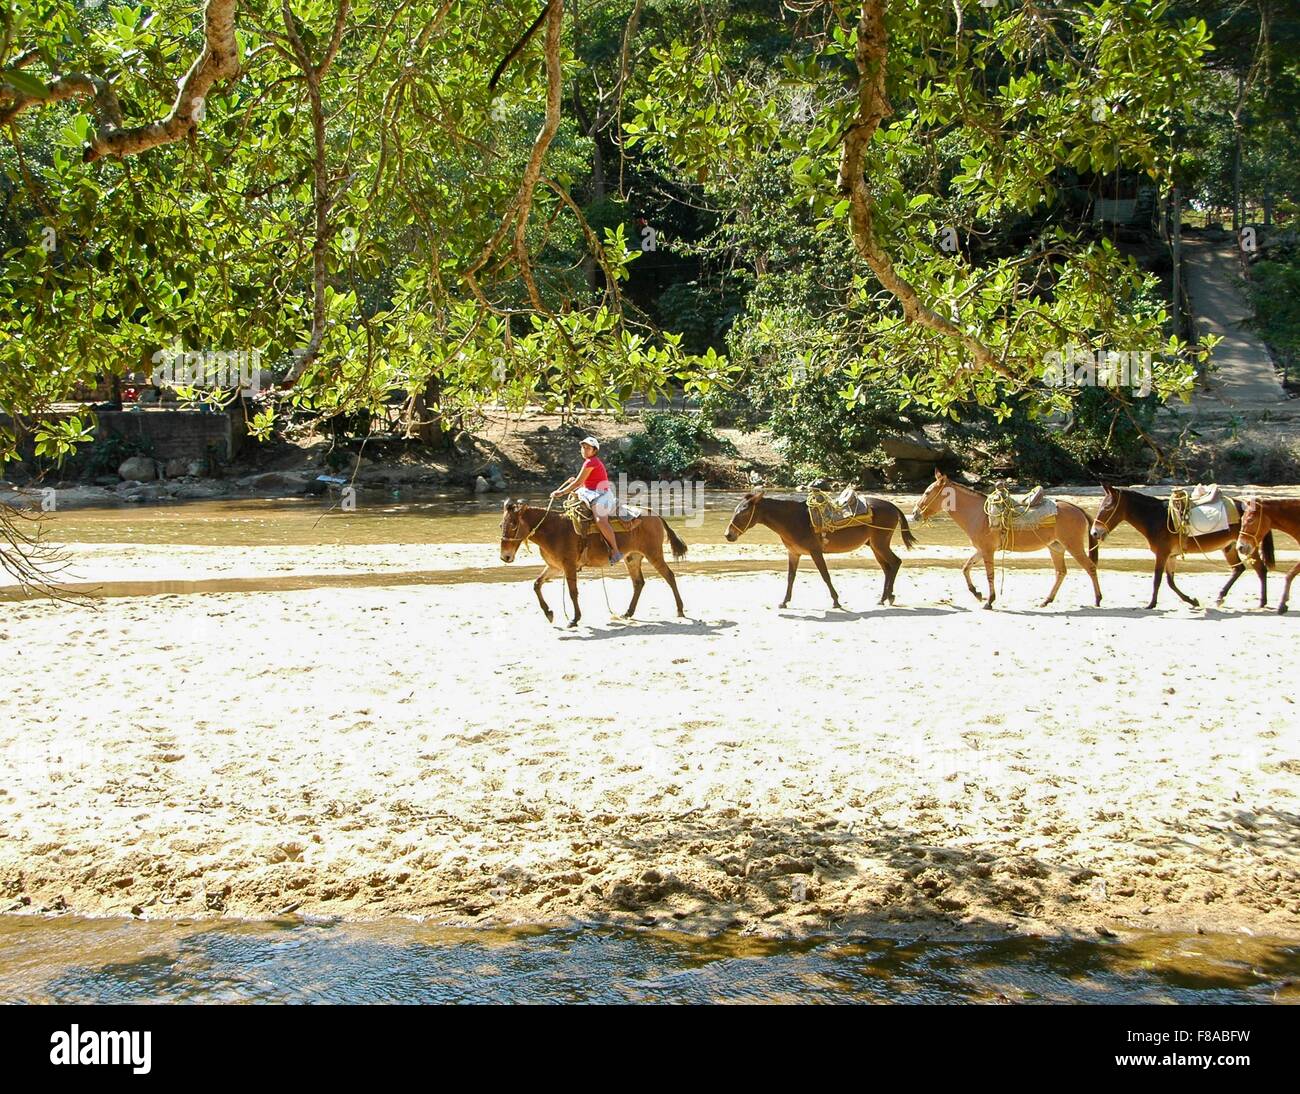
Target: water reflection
x=113, y=961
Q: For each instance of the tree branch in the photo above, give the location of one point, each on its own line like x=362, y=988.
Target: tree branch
x=873, y=107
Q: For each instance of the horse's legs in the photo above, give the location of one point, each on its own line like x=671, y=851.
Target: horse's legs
x=1160, y=572
x=665, y=571
x=792, y=564
x=1080, y=555
x=1058, y=562
x=1238, y=568
x=571, y=576
x=638, y=583
x=819, y=560
x=965, y=572
x=988, y=573
x=547, y=573
x=889, y=562
x=1262, y=570
x=1286, y=589
x=1169, y=580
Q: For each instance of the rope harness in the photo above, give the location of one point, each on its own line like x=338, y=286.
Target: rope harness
x=827, y=516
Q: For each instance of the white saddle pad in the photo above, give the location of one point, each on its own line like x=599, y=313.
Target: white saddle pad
x=1208, y=519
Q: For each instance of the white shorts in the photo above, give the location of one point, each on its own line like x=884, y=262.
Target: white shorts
x=602, y=502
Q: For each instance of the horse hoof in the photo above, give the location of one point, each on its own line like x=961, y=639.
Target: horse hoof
x=1281, y=609
x=988, y=605
x=1195, y=604
x=550, y=617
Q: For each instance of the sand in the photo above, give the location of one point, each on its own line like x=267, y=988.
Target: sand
x=440, y=751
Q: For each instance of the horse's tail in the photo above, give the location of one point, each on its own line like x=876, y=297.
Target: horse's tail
x=675, y=541
x=909, y=540
x=1266, y=549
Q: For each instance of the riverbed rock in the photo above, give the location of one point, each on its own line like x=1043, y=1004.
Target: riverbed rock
x=137, y=469
x=915, y=445
x=277, y=482
x=176, y=468
x=481, y=485
x=141, y=491
x=189, y=491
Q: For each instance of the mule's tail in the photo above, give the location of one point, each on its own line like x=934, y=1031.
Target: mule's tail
x=909, y=540
x=1266, y=549
x=676, y=542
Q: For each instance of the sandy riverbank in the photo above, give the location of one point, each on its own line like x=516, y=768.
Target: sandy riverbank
x=441, y=751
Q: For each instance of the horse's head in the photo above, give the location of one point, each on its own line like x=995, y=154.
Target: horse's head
x=513, y=528
x=742, y=520
x=1248, y=535
x=939, y=495
x=1108, y=515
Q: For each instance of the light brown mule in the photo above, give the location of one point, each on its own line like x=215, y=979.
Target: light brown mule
x=1070, y=534
x=1259, y=516
x=789, y=519
x=565, y=552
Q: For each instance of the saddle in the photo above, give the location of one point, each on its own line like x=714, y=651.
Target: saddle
x=829, y=514
x=584, y=523
x=1201, y=511
x=1009, y=513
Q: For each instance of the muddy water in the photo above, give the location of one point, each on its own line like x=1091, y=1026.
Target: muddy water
x=385, y=516
x=400, y=518
x=70, y=960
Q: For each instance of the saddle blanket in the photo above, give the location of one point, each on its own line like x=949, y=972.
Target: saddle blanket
x=584, y=524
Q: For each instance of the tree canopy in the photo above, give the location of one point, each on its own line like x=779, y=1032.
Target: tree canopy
x=575, y=203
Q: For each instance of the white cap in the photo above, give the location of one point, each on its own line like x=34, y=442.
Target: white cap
x=591, y=441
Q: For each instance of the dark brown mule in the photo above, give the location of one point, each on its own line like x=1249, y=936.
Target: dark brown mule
x=1150, y=516
x=565, y=552
x=790, y=521
x=1259, y=516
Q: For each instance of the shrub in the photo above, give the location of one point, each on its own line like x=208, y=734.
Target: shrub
x=671, y=446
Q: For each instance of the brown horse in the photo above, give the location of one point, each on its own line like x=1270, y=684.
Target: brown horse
x=566, y=552
x=967, y=508
x=789, y=519
x=1259, y=516
x=1150, y=516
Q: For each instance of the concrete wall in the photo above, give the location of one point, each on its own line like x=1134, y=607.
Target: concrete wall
x=189, y=434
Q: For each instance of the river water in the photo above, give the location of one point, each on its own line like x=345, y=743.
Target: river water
x=70, y=960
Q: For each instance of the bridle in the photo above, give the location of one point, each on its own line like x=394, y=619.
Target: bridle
x=1242, y=537
x=1099, y=523
x=753, y=516
x=519, y=516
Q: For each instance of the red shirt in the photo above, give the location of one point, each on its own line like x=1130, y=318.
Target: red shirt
x=599, y=477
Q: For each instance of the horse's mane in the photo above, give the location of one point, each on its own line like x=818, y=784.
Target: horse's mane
x=1143, y=502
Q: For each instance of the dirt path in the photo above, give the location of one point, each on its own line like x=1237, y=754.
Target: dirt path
x=1244, y=379
x=440, y=751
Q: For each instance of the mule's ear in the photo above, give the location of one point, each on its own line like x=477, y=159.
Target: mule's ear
x=756, y=493
x=1108, y=488
x=938, y=475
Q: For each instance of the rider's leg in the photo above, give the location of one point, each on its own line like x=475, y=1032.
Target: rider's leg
x=606, y=530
